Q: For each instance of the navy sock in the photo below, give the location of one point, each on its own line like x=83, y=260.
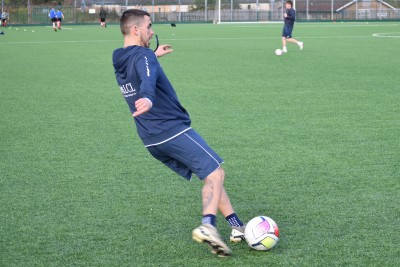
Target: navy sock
x=233, y=220
x=210, y=219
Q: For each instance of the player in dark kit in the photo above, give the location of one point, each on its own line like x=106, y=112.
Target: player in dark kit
x=102, y=15
x=164, y=126
x=289, y=19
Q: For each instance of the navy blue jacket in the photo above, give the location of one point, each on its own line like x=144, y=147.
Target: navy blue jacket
x=291, y=17
x=139, y=75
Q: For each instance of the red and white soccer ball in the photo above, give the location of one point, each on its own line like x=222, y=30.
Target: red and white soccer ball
x=278, y=52
x=261, y=233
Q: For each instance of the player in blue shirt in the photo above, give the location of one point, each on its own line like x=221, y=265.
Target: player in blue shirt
x=53, y=18
x=164, y=126
x=59, y=16
x=289, y=19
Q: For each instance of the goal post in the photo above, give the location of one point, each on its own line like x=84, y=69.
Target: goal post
x=240, y=11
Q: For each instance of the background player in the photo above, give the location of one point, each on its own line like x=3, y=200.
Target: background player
x=289, y=19
x=59, y=16
x=53, y=18
x=103, y=15
x=4, y=18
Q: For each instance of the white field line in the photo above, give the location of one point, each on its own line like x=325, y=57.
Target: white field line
x=62, y=28
x=379, y=35
x=311, y=25
x=387, y=35
x=183, y=39
x=60, y=42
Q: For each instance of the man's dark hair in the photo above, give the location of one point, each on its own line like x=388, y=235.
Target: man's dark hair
x=289, y=2
x=131, y=17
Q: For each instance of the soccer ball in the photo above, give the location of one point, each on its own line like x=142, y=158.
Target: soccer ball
x=278, y=52
x=261, y=233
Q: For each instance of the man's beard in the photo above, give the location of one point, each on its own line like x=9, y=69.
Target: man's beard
x=146, y=43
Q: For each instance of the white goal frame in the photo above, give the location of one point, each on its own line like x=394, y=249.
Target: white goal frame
x=279, y=18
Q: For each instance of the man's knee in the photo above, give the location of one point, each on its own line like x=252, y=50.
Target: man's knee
x=218, y=175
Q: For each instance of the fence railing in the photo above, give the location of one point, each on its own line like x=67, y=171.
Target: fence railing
x=19, y=14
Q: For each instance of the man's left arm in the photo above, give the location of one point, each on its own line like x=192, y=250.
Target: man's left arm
x=163, y=50
x=292, y=14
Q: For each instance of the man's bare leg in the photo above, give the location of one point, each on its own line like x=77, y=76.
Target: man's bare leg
x=225, y=206
x=212, y=190
x=211, y=195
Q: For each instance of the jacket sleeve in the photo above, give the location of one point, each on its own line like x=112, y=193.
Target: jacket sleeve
x=291, y=14
x=146, y=66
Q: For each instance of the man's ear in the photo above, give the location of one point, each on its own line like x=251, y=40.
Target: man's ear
x=134, y=31
x=137, y=30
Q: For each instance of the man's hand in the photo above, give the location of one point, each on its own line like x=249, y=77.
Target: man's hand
x=142, y=105
x=163, y=50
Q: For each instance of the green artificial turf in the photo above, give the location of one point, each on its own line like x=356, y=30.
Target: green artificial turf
x=310, y=139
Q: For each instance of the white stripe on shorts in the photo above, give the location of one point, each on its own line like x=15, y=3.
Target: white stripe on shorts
x=203, y=149
x=162, y=142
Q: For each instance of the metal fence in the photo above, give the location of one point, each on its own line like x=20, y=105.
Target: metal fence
x=84, y=12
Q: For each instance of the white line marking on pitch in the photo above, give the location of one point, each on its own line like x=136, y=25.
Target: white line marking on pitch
x=189, y=39
x=385, y=35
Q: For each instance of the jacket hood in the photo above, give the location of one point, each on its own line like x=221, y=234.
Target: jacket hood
x=121, y=55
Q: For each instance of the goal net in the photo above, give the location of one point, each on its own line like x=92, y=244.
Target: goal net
x=251, y=11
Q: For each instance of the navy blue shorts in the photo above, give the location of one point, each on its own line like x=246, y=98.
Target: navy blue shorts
x=186, y=154
x=287, y=31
